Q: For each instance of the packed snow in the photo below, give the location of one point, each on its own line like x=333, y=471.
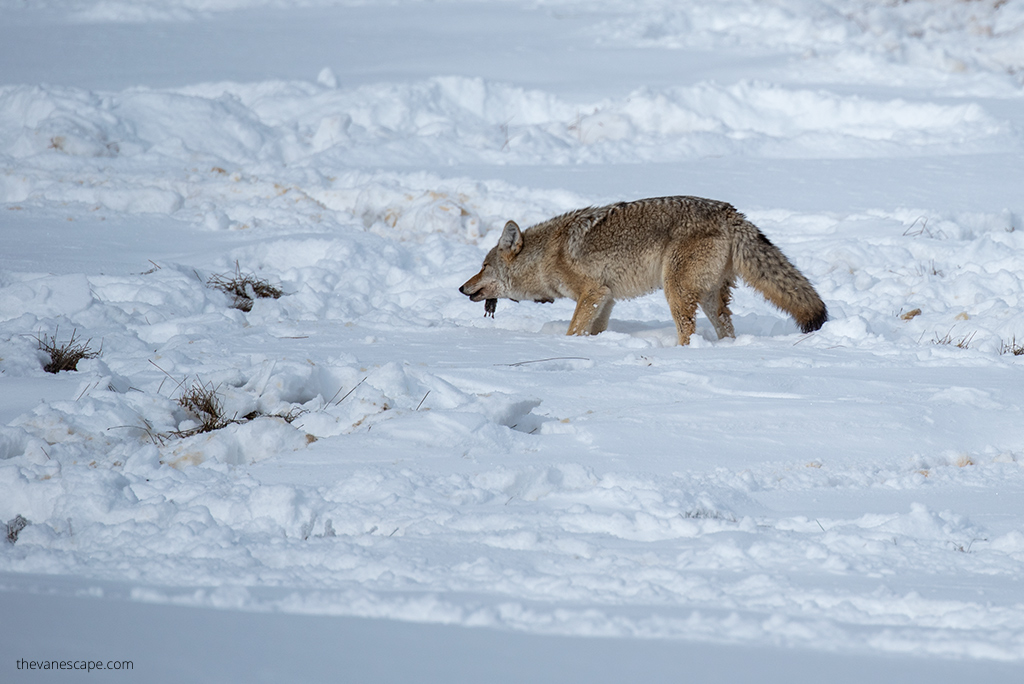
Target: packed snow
x=386, y=451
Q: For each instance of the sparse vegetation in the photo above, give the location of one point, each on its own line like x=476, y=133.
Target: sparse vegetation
x=1012, y=347
x=930, y=269
x=65, y=356
x=961, y=342
x=202, y=401
x=965, y=548
x=918, y=227
x=14, y=527
x=244, y=287
x=701, y=513
x=505, y=133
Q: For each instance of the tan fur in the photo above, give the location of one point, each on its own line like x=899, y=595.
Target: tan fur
x=690, y=247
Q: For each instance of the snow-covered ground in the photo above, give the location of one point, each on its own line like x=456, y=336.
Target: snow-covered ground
x=491, y=487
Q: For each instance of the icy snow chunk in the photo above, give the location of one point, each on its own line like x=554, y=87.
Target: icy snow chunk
x=24, y=495
x=250, y=442
x=142, y=462
x=601, y=126
x=135, y=200
x=966, y=396
x=87, y=421
x=327, y=78
x=920, y=523
x=333, y=130
x=435, y=428
x=68, y=121
x=1011, y=542
x=107, y=379
x=392, y=380
x=505, y=409
x=216, y=220
x=47, y=296
x=853, y=328
x=428, y=212
x=278, y=502
x=12, y=442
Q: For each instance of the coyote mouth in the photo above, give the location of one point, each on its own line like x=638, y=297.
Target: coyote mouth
x=475, y=295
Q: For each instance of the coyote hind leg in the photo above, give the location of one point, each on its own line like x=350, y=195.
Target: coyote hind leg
x=694, y=273
x=716, y=307
x=683, y=305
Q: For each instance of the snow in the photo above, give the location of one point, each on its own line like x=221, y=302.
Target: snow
x=394, y=463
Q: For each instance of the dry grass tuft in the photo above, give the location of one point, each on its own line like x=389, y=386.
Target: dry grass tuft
x=244, y=287
x=65, y=357
x=961, y=343
x=14, y=527
x=202, y=401
x=1012, y=347
x=701, y=513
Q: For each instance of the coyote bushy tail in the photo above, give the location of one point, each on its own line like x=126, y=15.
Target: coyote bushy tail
x=767, y=270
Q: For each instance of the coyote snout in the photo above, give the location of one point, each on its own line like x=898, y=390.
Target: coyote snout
x=692, y=248
x=477, y=288
x=474, y=288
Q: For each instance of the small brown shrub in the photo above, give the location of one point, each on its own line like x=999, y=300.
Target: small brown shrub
x=14, y=527
x=202, y=401
x=65, y=356
x=244, y=287
x=1012, y=347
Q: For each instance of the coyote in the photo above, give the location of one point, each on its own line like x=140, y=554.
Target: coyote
x=693, y=248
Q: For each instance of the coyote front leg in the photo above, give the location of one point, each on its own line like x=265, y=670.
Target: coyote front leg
x=592, y=310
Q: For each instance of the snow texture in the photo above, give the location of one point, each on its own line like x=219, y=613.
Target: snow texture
x=387, y=451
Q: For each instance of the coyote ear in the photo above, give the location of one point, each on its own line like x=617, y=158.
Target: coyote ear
x=511, y=239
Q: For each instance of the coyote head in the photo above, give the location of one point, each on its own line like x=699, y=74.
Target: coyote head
x=495, y=278
x=509, y=272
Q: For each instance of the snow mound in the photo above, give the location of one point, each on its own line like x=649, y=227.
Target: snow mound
x=845, y=39
x=368, y=443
